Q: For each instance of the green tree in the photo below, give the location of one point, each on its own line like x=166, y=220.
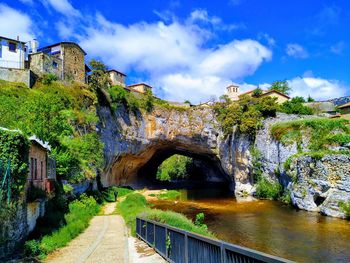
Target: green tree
x=175, y=167
x=281, y=86
x=257, y=92
x=99, y=78
x=309, y=99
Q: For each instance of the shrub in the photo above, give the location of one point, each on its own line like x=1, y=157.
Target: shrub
x=296, y=106
x=48, y=78
x=68, y=189
x=345, y=207
x=267, y=189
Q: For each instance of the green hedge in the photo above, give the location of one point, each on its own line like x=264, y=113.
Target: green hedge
x=14, y=146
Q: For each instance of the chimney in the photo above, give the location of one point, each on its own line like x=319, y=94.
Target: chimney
x=34, y=45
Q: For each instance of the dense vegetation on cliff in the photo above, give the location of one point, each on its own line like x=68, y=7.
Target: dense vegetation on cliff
x=63, y=115
x=323, y=135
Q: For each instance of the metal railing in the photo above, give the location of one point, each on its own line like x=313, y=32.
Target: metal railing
x=180, y=246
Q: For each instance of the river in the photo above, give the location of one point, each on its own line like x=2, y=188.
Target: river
x=267, y=226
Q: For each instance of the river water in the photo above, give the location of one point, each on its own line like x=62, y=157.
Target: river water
x=267, y=226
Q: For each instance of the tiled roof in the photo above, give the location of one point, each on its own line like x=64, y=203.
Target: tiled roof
x=346, y=105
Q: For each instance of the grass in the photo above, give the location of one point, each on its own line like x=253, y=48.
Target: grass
x=136, y=204
x=322, y=132
x=169, y=195
x=77, y=220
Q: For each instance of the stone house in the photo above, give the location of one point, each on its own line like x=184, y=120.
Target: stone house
x=141, y=88
x=323, y=108
x=345, y=110
x=117, y=77
x=281, y=97
x=66, y=59
x=42, y=168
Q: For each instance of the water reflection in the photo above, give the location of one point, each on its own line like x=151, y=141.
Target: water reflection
x=268, y=226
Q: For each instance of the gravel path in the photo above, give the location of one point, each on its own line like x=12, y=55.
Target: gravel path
x=105, y=240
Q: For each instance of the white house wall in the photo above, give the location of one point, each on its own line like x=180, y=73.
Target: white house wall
x=9, y=59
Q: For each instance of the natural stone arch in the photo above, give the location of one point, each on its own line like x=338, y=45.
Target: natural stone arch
x=133, y=140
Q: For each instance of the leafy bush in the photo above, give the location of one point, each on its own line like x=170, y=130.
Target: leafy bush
x=48, y=78
x=175, y=167
x=68, y=189
x=345, y=207
x=268, y=189
x=246, y=114
x=14, y=146
x=296, y=106
x=80, y=213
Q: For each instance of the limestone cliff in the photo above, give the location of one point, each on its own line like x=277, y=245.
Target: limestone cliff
x=133, y=140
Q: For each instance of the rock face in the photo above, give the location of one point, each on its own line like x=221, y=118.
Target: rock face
x=320, y=184
x=136, y=141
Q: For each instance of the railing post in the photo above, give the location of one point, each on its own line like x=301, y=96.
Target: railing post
x=146, y=232
x=186, y=248
x=166, y=243
x=222, y=252
x=154, y=235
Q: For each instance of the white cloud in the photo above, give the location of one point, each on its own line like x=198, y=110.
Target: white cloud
x=317, y=88
x=64, y=7
x=338, y=48
x=173, y=56
x=14, y=23
x=266, y=37
x=296, y=51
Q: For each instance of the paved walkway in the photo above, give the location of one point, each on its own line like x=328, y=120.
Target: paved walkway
x=105, y=240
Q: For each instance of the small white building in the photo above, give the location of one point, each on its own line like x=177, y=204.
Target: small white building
x=117, y=77
x=12, y=53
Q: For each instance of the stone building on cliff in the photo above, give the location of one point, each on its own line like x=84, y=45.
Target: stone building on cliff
x=65, y=59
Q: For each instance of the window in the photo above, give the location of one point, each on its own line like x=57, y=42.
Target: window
x=55, y=64
x=35, y=169
x=12, y=47
x=41, y=170
x=31, y=168
x=75, y=59
x=75, y=72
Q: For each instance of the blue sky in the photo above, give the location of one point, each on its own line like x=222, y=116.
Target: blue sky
x=193, y=49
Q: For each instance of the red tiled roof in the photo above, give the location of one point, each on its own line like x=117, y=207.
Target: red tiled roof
x=275, y=91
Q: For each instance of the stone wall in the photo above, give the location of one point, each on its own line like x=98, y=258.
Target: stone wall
x=41, y=63
x=15, y=229
x=73, y=63
x=320, y=184
x=17, y=75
